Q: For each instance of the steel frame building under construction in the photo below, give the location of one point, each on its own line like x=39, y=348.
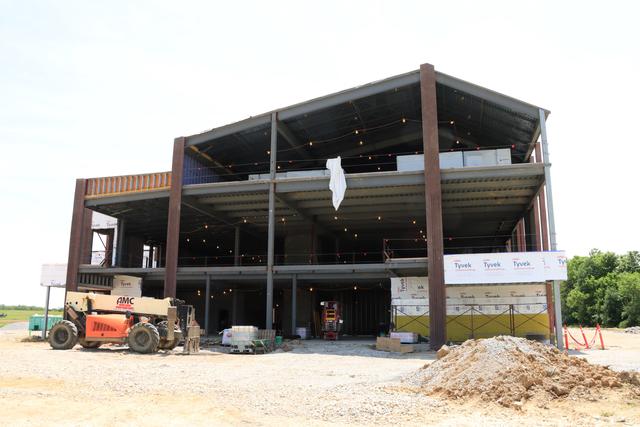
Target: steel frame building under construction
x=243, y=225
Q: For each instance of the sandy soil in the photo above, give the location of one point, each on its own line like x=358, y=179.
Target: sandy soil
x=315, y=384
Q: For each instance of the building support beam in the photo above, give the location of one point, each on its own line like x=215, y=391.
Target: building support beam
x=543, y=220
x=108, y=249
x=236, y=248
x=433, y=201
x=173, y=222
x=548, y=286
x=552, y=225
x=120, y=232
x=150, y=257
x=536, y=225
x=271, y=234
x=520, y=235
x=294, y=304
x=207, y=303
x=87, y=237
x=75, y=241
x=234, y=307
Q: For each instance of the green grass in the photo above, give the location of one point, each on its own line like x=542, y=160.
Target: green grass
x=21, y=315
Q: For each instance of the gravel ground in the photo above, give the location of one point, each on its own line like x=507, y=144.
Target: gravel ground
x=622, y=349
x=317, y=383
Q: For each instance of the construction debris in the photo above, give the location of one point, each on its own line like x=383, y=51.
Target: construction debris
x=633, y=330
x=405, y=337
x=510, y=371
x=393, y=344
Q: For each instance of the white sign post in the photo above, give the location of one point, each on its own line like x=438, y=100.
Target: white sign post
x=51, y=276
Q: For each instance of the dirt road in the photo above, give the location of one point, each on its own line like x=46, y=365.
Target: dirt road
x=315, y=384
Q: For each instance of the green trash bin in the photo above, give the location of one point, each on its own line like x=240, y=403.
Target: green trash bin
x=36, y=322
x=278, y=340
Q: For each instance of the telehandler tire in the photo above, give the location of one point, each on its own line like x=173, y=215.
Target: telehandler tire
x=63, y=335
x=143, y=338
x=165, y=344
x=89, y=344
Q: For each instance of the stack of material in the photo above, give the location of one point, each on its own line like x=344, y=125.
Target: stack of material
x=510, y=371
x=303, y=333
x=393, y=345
x=242, y=338
x=405, y=337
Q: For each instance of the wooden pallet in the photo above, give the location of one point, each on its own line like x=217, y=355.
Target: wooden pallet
x=393, y=345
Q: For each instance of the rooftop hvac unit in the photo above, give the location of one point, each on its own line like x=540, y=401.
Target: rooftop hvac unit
x=291, y=174
x=415, y=162
x=479, y=158
x=457, y=159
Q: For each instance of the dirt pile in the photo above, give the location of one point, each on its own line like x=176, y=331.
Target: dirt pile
x=510, y=371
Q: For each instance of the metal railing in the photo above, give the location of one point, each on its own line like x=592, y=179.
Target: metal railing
x=404, y=248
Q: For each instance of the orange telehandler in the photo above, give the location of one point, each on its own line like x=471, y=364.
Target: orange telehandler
x=145, y=324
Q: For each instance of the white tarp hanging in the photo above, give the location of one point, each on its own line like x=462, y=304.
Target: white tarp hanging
x=506, y=267
x=337, y=182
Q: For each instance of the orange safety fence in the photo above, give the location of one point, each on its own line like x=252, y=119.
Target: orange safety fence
x=584, y=343
x=112, y=185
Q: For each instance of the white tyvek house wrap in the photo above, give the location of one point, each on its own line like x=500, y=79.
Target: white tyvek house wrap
x=337, y=182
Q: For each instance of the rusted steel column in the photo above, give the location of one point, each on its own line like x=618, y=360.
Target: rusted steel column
x=173, y=222
x=536, y=217
x=76, y=237
x=520, y=233
x=108, y=252
x=536, y=224
x=236, y=247
x=433, y=201
x=550, y=312
x=87, y=237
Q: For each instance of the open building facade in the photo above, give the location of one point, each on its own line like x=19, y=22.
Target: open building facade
x=243, y=226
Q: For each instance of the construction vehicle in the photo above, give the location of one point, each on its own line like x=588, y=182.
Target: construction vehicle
x=145, y=324
x=331, y=320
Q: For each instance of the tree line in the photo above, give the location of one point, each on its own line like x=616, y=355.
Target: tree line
x=20, y=307
x=602, y=288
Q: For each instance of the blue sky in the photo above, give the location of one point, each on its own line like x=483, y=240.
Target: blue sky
x=84, y=83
